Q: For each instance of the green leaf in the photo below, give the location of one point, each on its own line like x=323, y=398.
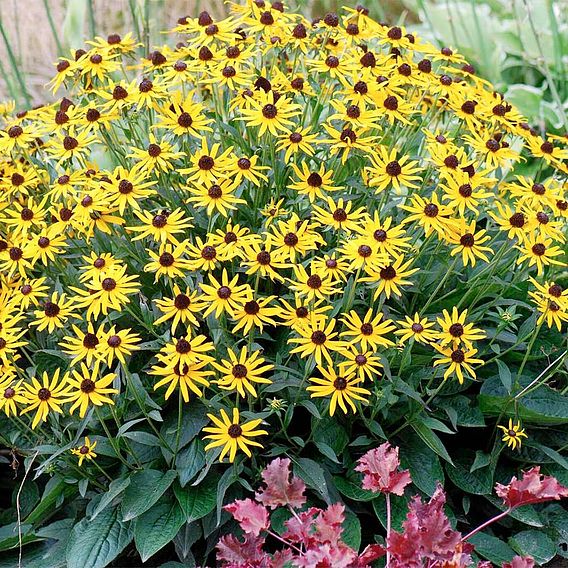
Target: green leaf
x=526, y=514
x=491, y=548
x=505, y=375
x=313, y=476
x=157, y=527
x=543, y=406
x=327, y=451
x=331, y=433
x=9, y=536
x=481, y=460
x=53, y=494
x=190, y=461
x=351, y=535
x=399, y=510
x=115, y=489
x=467, y=414
x=197, y=501
x=353, y=490
x=145, y=488
x=431, y=440
x=227, y=479
x=478, y=482
x=423, y=463
x=535, y=544
x=96, y=543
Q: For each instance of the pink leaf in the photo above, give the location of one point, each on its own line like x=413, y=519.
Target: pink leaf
x=532, y=488
x=280, y=490
x=379, y=468
x=335, y=555
x=427, y=534
x=328, y=523
x=520, y=562
x=252, y=517
x=237, y=554
x=370, y=554
x=299, y=527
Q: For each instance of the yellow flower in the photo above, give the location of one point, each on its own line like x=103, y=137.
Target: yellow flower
x=240, y=372
x=219, y=196
x=513, y=434
x=169, y=262
x=342, y=389
x=270, y=114
x=229, y=433
x=458, y=361
x=46, y=396
x=387, y=170
x=185, y=377
x=455, y=331
x=86, y=451
x=161, y=226
x=469, y=243
x=417, y=328
x=368, y=332
x=224, y=296
x=390, y=277
x=117, y=344
x=54, y=313
x=12, y=395
x=89, y=388
x=255, y=313
x=317, y=338
x=182, y=307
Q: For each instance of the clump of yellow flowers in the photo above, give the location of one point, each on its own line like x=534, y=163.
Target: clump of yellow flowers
x=272, y=205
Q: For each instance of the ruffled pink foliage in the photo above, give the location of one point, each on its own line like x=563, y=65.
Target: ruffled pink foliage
x=427, y=534
x=280, y=489
x=380, y=470
x=520, y=562
x=533, y=487
x=313, y=537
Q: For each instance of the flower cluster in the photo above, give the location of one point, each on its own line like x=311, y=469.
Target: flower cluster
x=269, y=190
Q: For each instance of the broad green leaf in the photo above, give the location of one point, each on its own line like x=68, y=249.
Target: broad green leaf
x=327, y=451
x=491, y=548
x=431, y=440
x=9, y=536
x=54, y=493
x=157, y=527
x=543, y=406
x=399, y=510
x=197, y=501
x=96, y=543
x=229, y=477
x=351, y=535
x=424, y=465
x=526, y=514
x=353, y=490
x=331, y=433
x=114, y=490
x=478, y=482
x=505, y=375
x=535, y=544
x=190, y=461
x=466, y=413
x=145, y=488
x=313, y=476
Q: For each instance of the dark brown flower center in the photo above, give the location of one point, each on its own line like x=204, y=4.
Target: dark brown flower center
x=51, y=310
x=235, y=431
x=87, y=386
x=367, y=329
x=431, y=210
x=291, y=239
x=517, y=220
x=44, y=394
x=108, y=284
x=340, y=384
x=26, y=289
x=467, y=240
x=555, y=290
x=302, y=312
x=465, y=190
x=457, y=356
x=539, y=249
x=263, y=257
x=295, y=137
x=9, y=393
x=360, y=360
x=183, y=346
x=206, y=163
x=269, y=111
x=318, y=337
x=538, y=189
x=391, y=103
x=388, y=273
x=90, y=341
x=314, y=180
x=314, y=282
x=456, y=330
x=224, y=292
x=417, y=328
x=182, y=302
x=251, y=307
x=209, y=252
x=166, y=259
x=159, y=221
x=114, y=341
x=70, y=143
x=239, y=371
x=125, y=187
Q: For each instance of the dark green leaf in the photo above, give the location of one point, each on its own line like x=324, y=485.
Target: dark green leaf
x=115, y=489
x=353, y=490
x=145, y=488
x=312, y=474
x=96, y=543
x=478, y=482
x=197, y=501
x=505, y=375
x=423, y=463
x=535, y=544
x=431, y=440
x=491, y=548
x=351, y=535
x=190, y=461
x=157, y=527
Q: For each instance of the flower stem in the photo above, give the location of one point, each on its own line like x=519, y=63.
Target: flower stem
x=486, y=524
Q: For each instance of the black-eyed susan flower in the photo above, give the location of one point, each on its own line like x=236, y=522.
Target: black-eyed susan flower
x=90, y=387
x=270, y=114
x=232, y=435
x=462, y=193
x=298, y=141
x=429, y=214
x=390, y=277
x=127, y=187
x=388, y=237
x=293, y=237
x=311, y=182
x=183, y=376
x=224, y=296
x=208, y=165
x=219, y=196
x=343, y=390
x=454, y=330
x=46, y=246
x=83, y=345
x=255, y=313
x=12, y=395
x=365, y=364
x=331, y=266
x=242, y=371
x=169, y=261
x=203, y=255
x=46, y=396
x=30, y=292
x=182, y=116
x=181, y=308
x=161, y=226
x=417, y=328
x=186, y=350
x=159, y=155
x=86, y=451
x=339, y=215
x=117, y=344
x=312, y=286
x=458, y=360
x=259, y=258
x=539, y=252
x=317, y=339
x=513, y=434
x=386, y=170
x=368, y=332
x=302, y=313
x=55, y=312
x=469, y=243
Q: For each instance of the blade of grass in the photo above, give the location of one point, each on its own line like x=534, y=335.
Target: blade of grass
x=558, y=43
x=92, y=21
x=8, y=81
x=52, y=27
x=134, y=16
x=14, y=65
